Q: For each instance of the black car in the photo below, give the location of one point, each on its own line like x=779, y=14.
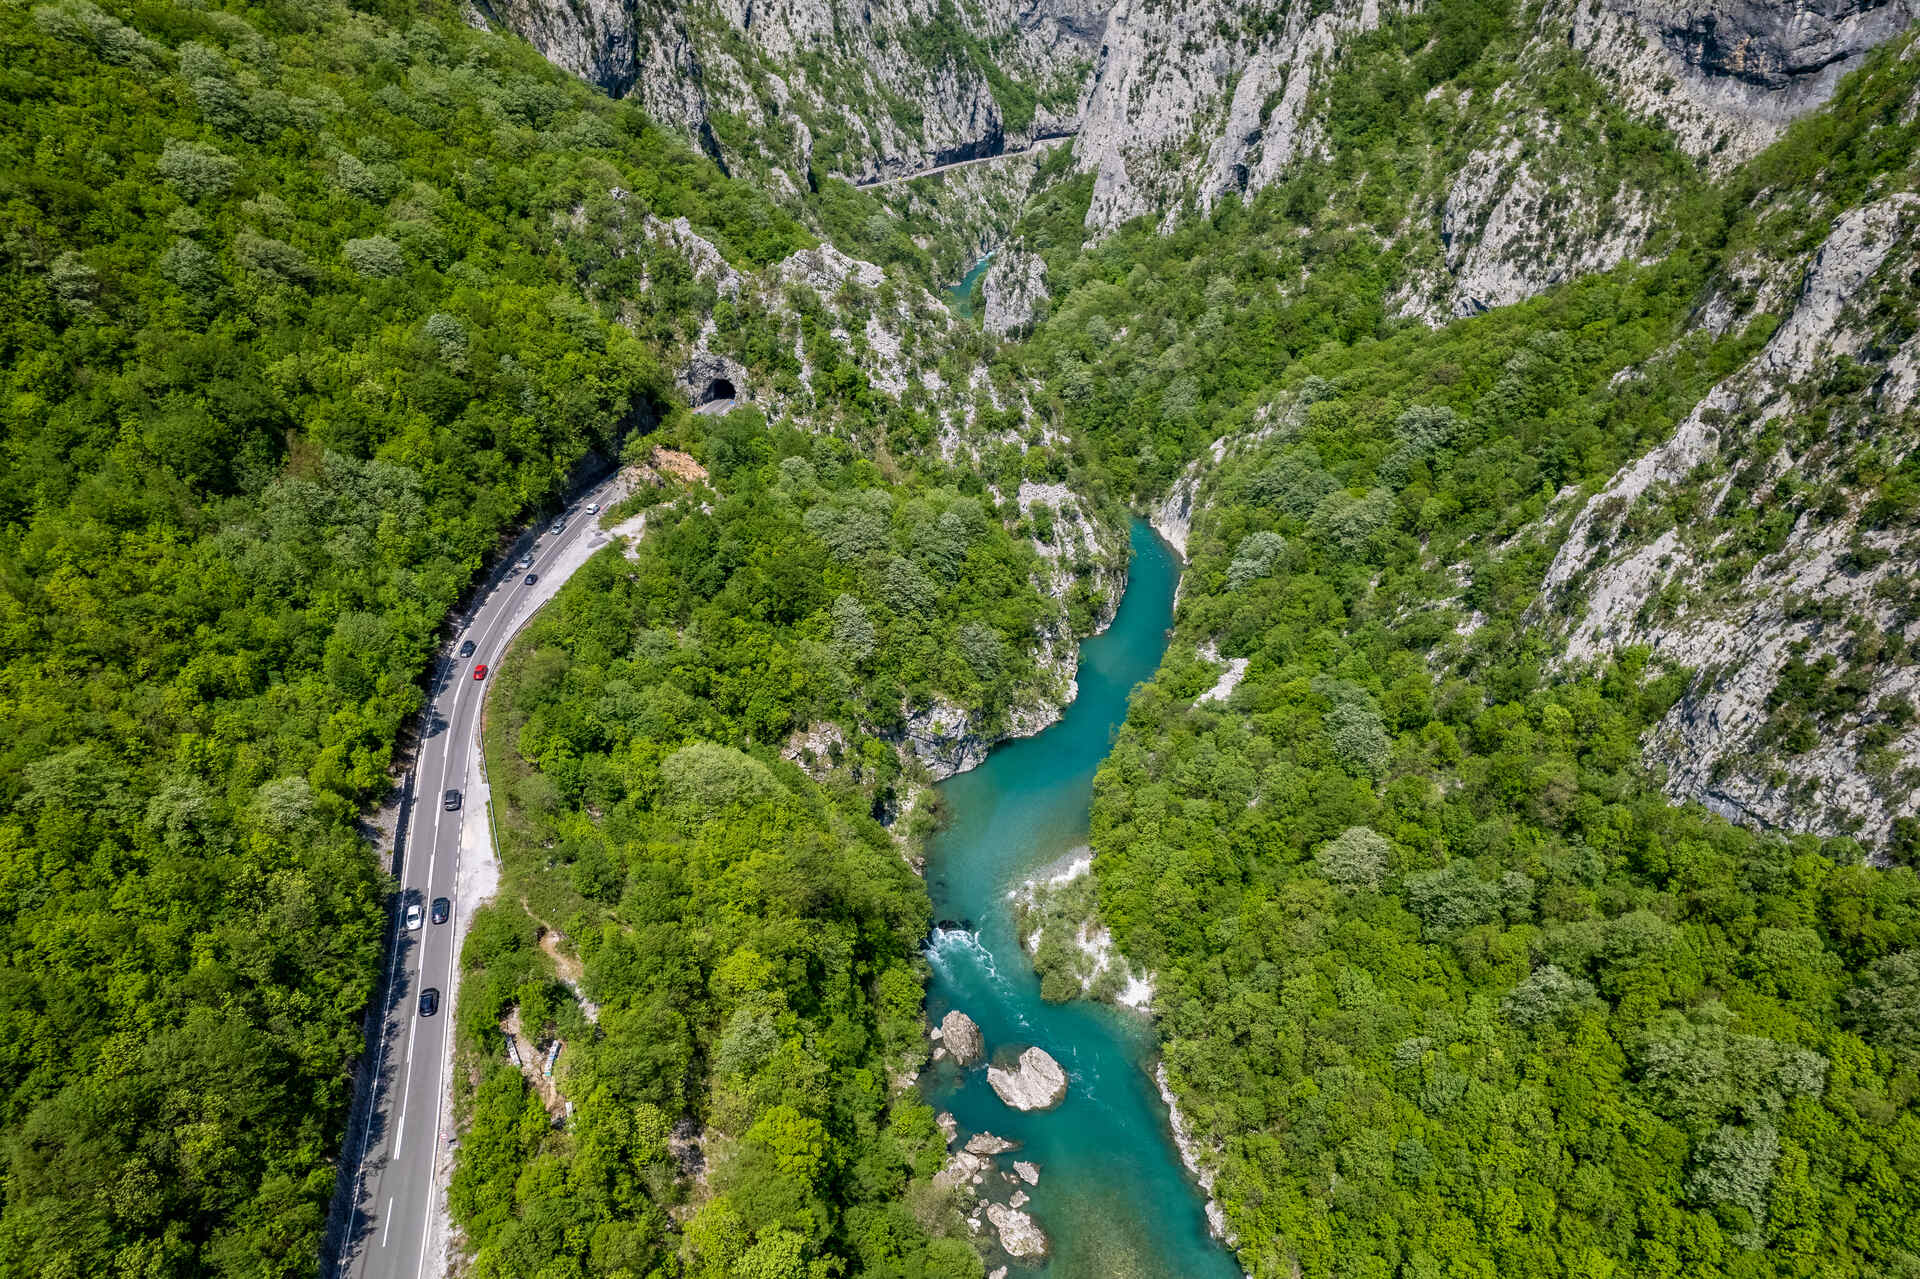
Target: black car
x=532, y=578
x=429, y=1001
x=466, y=648
x=450, y=801
x=441, y=909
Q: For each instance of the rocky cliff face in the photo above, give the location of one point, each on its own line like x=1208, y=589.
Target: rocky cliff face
x=1728, y=75
x=1191, y=100
x=1800, y=712
x=902, y=339
x=1510, y=232
x=1014, y=292
x=865, y=90
x=1177, y=107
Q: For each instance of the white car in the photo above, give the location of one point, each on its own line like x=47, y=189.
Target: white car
x=593, y=508
x=413, y=916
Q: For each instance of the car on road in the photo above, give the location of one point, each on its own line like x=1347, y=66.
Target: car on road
x=466, y=648
x=413, y=916
x=593, y=508
x=526, y=561
x=450, y=801
x=531, y=579
x=441, y=909
x=429, y=1001
x=480, y=671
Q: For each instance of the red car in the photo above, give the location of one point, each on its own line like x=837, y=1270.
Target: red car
x=480, y=671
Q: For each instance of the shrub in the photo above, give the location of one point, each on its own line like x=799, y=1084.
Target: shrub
x=705, y=779
x=1255, y=558
x=376, y=256
x=1356, y=859
x=1358, y=738
x=273, y=260
x=195, y=170
x=1549, y=994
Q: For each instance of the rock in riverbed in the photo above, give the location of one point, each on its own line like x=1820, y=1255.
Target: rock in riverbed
x=1029, y=1173
x=1037, y=1083
x=961, y=1037
x=985, y=1143
x=963, y=1168
x=1018, y=1235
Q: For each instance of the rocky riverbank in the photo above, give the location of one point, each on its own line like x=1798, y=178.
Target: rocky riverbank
x=1074, y=953
x=1190, y=1155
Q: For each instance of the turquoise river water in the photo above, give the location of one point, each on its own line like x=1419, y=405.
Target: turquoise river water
x=961, y=296
x=1113, y=1196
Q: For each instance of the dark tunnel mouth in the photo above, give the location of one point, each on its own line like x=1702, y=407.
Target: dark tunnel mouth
x=719, y=388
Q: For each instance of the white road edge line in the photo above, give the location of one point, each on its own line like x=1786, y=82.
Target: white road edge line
x=450, y=674
x=433, y=1158
x=400, y=1127
x=379, y=1067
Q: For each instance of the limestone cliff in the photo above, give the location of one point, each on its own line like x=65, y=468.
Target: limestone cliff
x=865, y=90
x=1727, y=76
x=834, y=316
x=1174, y=108
x=1800, y=711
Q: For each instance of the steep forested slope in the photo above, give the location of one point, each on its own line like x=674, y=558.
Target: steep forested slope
x=289, y=336
x=1448, y=983
x=746, y=931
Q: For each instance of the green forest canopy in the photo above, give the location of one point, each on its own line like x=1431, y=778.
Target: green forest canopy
x=288, y=339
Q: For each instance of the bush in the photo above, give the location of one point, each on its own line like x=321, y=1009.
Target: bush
x=376, y=256
x=706, y=779
x=1255, y=558
x=1548, y=995
x=1357, y=859
x=196, y=171
x=1358, y=738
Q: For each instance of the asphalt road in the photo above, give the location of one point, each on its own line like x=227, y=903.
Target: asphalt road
x=1038, y=144
x=397, y=1159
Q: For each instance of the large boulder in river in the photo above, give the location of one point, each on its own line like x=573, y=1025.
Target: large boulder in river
x=1018, y=1233
x=1035, y=1083
x=985, y=1143
x=961, y=1037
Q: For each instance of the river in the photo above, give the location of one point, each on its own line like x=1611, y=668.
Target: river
x=960, y=297
x=1113, y=1196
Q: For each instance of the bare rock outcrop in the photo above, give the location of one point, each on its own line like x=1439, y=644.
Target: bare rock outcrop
x=1014, y=291
x=986, y=1143
x=1628, y=575
x=1036, y=1081
x=1019, y=1235
x=1509, y=234
x=1728, y=76
x=961, y=1037
x=783, y=70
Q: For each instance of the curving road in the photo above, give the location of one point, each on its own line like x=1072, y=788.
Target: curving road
x=398, y=1158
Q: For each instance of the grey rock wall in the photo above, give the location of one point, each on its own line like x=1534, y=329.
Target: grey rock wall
x=1728, y=75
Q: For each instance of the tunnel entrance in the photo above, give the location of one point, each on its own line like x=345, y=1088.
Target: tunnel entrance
x=719, y=389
